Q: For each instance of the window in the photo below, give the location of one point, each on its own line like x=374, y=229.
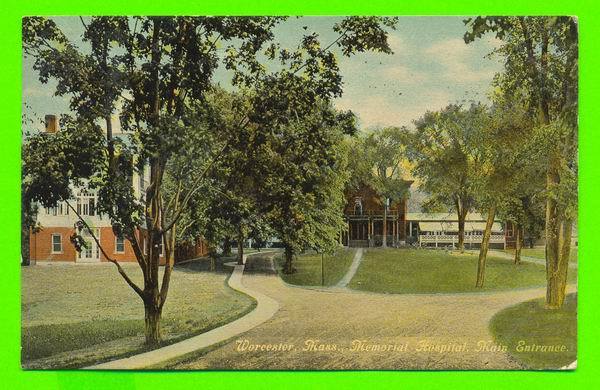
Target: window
x=92, y=206
x=86, y=203
x=119, y=245
x=56, y=243
x=509, y=229
x=358, y=209
x=60, y=209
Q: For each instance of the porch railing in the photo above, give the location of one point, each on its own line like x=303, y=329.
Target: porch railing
x=369, y=213
x=453, y=239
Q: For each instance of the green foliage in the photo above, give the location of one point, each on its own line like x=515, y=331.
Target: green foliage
x=541, y=72
x=541, y=57
x=304, y=175
x=516, y=182
x=156, y=73
x=54, y=163
x=446, y=159
x=384, y=152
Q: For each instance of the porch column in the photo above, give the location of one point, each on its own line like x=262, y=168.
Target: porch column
x=394, y=230
x=349, y=227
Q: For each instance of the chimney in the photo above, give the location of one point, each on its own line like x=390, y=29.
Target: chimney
x=51, y=123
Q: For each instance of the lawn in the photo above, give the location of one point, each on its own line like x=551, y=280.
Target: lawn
x=529, y=323
x=540, y=253
x=308, y=268
x=78, y=315
x=439, y=271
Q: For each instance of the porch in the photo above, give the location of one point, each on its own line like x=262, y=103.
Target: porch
x=367, y=230
x=472, y=240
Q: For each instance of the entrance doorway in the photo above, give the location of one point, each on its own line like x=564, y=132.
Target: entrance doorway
x=91, y=252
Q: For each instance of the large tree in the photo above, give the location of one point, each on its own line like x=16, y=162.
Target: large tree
x=297, y=139
x=378, y=162
x=445, y=160
x=508, y=171
x=541, y=56
x=152, y=71
x=304, y=181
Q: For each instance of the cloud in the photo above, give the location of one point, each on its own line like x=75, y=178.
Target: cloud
x=493, y=42
x=397, y=44
x=403, y=74
x=37, y=91
x=454, y=56
x=380, y=111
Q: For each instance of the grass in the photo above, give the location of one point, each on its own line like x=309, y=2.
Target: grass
x=437, y=271
x=74, y=316
x=540, y=253
x=530, y=323
x=45, y=340
x=308, y=268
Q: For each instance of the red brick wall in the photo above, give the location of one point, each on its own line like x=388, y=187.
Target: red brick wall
x=108, y=242
x=40, y=245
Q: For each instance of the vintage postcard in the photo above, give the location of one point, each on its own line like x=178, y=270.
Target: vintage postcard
x=302, y=193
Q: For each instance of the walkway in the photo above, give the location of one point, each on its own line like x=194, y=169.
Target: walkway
x=318, y=330
x=352, y=270
x=529, y=259
x=265, y=309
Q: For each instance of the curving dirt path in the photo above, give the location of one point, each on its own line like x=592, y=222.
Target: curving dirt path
x=399, y=331
x=352, y=270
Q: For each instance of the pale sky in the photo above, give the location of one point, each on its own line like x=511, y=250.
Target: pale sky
x=430, y=68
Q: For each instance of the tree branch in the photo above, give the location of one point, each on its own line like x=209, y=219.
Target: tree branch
x=130, y=282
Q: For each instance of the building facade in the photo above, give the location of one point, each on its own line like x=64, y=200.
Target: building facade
x=52, y=243
x=365, y=215
x=441, y=230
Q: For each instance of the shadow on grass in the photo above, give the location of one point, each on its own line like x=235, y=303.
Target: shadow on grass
x=46, y=340
x=536, y=337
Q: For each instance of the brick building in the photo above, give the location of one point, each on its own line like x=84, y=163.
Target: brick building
x=52, y=243
x=365, y=214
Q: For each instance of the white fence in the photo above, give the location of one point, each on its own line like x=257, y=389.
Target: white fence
x=452, y=239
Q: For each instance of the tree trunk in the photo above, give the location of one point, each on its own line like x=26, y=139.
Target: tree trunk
x=384, y=238
x=462, y=215
x=289, y=255
x=461, y=235
x=227, y=247
x=240, y=247
x=152, y=318
x=518, y=244
x=25, y=237
x=558, y=241
x=485, y=245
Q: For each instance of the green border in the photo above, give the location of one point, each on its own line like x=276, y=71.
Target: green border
x=589, y=304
